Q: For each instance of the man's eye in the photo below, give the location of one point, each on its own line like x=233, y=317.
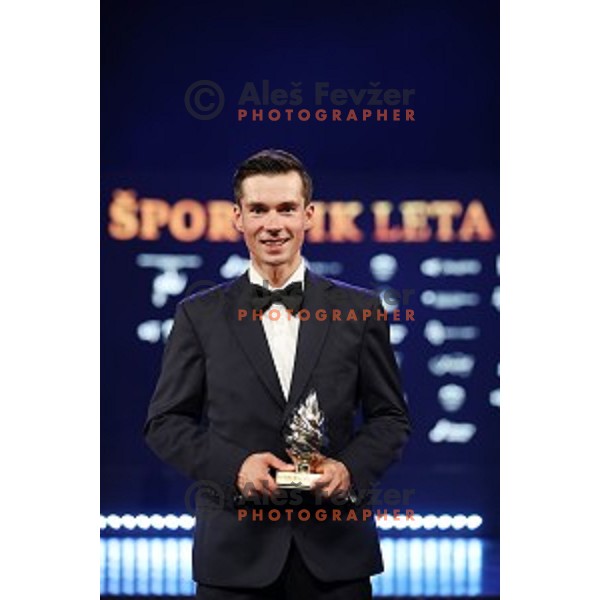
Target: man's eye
x=257, y=209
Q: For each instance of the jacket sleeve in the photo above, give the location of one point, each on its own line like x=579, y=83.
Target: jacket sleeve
x=386, y=425
x=175, y=428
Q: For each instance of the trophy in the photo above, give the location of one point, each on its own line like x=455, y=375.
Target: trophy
x=303, y=435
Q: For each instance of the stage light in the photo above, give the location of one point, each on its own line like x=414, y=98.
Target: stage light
x=128, y=521
x=444, y=522
x=474, y=521
x=157, y=522
x=430, y=522
x=459, y=522
x=172, y=522
x=113, y=521
x=385, y=523
x=416, y=522
x=142, y=521
x=186, y=522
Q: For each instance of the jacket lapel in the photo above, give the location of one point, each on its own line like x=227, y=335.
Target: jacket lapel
x=311, y=335
x=251, y=336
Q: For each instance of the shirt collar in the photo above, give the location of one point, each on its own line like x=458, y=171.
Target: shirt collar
x=298, y=275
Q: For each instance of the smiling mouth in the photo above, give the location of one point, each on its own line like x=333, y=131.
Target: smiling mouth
x=274, y=243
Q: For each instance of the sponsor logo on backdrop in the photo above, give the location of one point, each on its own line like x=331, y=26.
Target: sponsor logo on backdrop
x=383, y=267
x=437, y=333
x=495, y=299
x=436, y=267
x=154, y=330
x=452, y=397
x=171, y=279
x=451, y=432
x=455, y=363
x=449, y=300
x=495, y=397
x=398, y=333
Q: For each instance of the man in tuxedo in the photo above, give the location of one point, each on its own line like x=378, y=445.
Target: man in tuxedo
x=230, y=382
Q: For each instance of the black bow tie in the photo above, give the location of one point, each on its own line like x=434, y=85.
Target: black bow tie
x=290, y=296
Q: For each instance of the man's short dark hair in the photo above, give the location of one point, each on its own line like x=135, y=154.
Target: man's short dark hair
x=271, y=162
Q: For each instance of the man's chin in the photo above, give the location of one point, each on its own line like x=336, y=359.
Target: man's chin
x=275, y=261
x=279, y=258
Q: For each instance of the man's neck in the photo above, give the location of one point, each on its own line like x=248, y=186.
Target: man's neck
x=279, y=274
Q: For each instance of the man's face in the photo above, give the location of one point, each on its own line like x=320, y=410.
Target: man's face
x=273, y=218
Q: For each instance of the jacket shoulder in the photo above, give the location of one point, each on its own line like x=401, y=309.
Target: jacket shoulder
x=199, y=296
x=353, y=293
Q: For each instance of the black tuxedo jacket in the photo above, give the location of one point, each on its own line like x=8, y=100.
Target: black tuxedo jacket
x=218, y=400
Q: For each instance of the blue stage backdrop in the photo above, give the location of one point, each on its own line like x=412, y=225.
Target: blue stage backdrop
x=407, y=203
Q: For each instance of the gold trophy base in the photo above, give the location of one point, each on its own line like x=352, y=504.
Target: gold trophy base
x=295, y=480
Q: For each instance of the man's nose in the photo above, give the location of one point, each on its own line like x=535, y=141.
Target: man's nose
x=273, y=220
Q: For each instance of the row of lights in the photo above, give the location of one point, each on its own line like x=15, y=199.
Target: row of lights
x=429, y=522
x=186, y=522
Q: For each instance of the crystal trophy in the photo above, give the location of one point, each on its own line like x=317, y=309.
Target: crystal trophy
x=304, y=436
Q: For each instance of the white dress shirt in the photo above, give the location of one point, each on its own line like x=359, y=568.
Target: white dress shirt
x=281, y=328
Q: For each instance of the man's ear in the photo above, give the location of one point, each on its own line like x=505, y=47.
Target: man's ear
x=237, y=218
x=309, y=213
